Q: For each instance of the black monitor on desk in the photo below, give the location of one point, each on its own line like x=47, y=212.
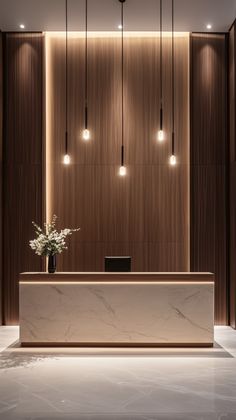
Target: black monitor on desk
x=118, y=264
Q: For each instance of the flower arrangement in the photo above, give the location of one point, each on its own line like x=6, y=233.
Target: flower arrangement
x=49, y=241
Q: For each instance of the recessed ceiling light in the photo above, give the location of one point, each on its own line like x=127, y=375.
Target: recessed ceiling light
x=22, y=26
x=120, y=26
x=209, y=26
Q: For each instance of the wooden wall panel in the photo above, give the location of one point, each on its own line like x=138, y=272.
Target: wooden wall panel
x=22, y=160
x=146, y=213
x=1, y=174
x=232, y=173
x=208, y=142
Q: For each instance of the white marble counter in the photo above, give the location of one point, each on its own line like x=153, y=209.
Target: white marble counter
x=170, y=309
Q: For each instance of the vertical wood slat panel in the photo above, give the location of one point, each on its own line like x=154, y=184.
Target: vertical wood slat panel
x=1, y=175
x=22, y=160
x=232, y=172
x=208, y=159
x=144, y=214
x=146, y=248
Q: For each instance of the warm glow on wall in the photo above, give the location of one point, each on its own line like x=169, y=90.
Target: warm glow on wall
x=48, y=127
x=116, y=34
x=96, y=164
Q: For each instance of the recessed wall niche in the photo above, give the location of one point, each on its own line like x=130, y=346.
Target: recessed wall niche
x=145, y=214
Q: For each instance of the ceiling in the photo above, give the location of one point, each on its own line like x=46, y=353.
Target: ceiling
x=140, y=15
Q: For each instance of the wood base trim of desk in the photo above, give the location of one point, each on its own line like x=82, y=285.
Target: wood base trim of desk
x=120, y=345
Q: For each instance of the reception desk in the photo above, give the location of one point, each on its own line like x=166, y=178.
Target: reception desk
x=117, y=309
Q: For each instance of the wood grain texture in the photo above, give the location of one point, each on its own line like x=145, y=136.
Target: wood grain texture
x=22, y=160
x=1, y=174
x=145, y=214
x=232, y=173
x=208, y=158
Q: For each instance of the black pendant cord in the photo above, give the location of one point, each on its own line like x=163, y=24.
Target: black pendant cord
x=173, y=82
x=161, y=68
x=66, y=84
x=86, y=66
x=122, y=83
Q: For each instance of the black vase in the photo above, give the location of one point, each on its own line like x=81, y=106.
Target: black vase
x=52, y=263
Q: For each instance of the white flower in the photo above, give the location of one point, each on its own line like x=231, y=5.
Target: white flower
x=51, y=241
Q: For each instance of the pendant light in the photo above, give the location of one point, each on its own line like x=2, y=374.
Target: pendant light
x=160, y=134
x=122, y=169
x=86, y=132
x=173, y=157
x=66, y=159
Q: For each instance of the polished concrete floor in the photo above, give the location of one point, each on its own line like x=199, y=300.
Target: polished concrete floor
x=89, y=384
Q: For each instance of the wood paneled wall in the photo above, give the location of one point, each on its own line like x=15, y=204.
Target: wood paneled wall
x=146, y=213
x=209, y=162
x=232, y=173
x=1, y=174
x=23, y=55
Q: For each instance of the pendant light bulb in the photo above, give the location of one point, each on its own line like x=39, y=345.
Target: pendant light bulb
x=122, y=171
x=173, y=160
x=160, y=136
x=173, y=157
x=86, y=134
x=66, y=159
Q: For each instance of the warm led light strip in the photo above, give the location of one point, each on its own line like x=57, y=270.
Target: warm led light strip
x=97, y=283
x=47, y=157
x=115, y=34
